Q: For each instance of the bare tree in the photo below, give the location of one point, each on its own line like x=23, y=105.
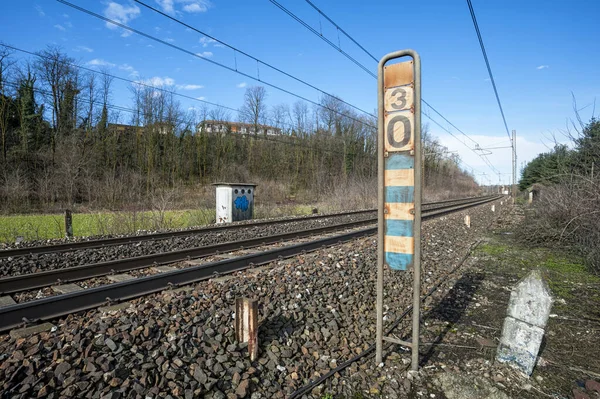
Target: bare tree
x=301, y=118
x=56, y=72
x=280, y=114
x=254, y=110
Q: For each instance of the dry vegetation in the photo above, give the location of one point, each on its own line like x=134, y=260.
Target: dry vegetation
x=61, y=148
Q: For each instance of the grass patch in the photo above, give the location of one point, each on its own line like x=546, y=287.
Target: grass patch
x=50, y=226
x=493, y=249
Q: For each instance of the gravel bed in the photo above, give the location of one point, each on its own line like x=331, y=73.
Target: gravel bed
x=54, y=241
x=36, y=263
x=316, y=311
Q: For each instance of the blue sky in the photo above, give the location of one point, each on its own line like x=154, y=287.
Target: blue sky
x=540, y=52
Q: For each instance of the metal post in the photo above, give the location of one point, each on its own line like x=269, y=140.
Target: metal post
x=417, y=229
x=514, y=164
x=416, y=212
x=68, y=224
x=380, y=215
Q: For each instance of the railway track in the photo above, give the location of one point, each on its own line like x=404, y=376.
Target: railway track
x=108, y=242
x=60, y=305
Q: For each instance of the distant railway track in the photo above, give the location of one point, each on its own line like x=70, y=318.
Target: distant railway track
x=60, y=305
x=107, y=242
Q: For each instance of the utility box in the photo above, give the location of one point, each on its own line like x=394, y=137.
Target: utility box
x=235, y=202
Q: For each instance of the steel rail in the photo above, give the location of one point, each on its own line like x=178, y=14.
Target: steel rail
x=60, y=305
x=101, y=243
x=24, y=282
x=94, y=244
x=30, y=281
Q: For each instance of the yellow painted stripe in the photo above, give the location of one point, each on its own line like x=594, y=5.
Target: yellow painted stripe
x=399, y=211
x=400, y=177
x=402, y=245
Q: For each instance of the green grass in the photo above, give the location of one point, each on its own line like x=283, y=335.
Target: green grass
x=42, y=227
x=493, y=249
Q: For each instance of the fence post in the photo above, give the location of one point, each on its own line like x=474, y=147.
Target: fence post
x=68, y=223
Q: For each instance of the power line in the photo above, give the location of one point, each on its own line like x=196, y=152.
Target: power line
x=291, y=14
x=16, y=85
x=487, y=63
x=148, y=36
x=341, y=30
x=250, y=56
x=338, y=48
x=140, y=83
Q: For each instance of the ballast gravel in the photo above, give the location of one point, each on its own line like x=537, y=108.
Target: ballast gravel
x=40, y=262
x=316, y=311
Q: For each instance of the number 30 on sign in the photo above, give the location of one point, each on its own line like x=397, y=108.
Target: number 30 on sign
x=399, y=170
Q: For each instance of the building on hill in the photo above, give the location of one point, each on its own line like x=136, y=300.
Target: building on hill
x=158, y=127
x=212, y=126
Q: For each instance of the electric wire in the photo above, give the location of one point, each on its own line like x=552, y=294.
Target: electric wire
x=291, y=14
x=487, y=63
x=132, y=111
x=153, y=38
x=161, y=89
x=250, y=56
x=332, y=44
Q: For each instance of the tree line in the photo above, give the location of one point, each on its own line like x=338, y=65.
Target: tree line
x=567, y=187
x=64, y=143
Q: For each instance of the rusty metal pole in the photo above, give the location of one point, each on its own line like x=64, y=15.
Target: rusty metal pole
x=68, y=224
x=246, y=324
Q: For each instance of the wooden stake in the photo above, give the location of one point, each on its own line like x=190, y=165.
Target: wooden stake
x=246, y=324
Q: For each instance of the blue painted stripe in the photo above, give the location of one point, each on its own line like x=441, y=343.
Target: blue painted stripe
x=405, y=194
x=398, y=261
x=399, y=228
x=398, y=160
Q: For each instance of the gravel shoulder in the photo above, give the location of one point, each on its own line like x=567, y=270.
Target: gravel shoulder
x=316, y=311
x=467, y=324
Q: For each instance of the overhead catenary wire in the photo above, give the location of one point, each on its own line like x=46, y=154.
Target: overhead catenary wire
x=487, y=63
x=161, y=89
x=238, y=51
x=121, y=108
x=193, y=54
x=141, y=83
x=184, y=121
x=362, y=66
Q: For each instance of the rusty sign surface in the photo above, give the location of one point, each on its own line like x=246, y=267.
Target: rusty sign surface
x=399, y=169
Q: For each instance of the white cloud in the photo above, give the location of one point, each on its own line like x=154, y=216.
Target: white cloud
x=169, y=40
x=60, y=27
x=189, y=87
x=196, y=7
x=200, y=98
x=242, y=85
x=100, y=62
x=205, y=41
x=85, y=49
x=190, y=6
x=205, y=54
x=542, y=67
x=66, y=16
x=68, y=24
x=121, y=14
x=40, y=10
x=129, y=69
x=158, y=81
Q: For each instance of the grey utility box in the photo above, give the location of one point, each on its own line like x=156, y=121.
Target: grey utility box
x=235, y=202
